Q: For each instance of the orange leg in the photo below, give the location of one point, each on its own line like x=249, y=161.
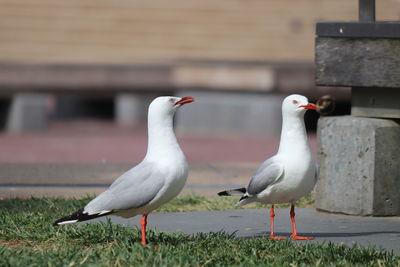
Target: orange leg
x=294, y=231
x=143, y=223
x=271, y=225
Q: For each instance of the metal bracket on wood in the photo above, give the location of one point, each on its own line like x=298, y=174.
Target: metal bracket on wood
x=366, y=27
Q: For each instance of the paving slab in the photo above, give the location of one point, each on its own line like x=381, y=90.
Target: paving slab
x=103, y=174
x=74, y=159
x=83, y=191
x=24, y=180
x=382, y=232
x=99, y=142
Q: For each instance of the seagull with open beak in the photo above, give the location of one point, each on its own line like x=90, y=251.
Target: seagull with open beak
x=288, y=175
x=154, y=181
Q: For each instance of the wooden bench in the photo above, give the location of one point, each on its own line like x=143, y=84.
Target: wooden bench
x=358, y=154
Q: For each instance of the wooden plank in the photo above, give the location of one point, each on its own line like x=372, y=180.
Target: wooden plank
x=100, y=78
x=124, y=53
x=81, y=78
x=358, y=62
x=140, y=35
x=184, y=4
x=257, y=78
x=151, y=27
x=371, y=29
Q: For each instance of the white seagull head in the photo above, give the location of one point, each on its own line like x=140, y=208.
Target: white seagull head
x=296, y=105
x=165, y=106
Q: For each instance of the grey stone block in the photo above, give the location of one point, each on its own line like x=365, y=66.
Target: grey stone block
x=217, y=112
x=28, y=112
x=359, y=166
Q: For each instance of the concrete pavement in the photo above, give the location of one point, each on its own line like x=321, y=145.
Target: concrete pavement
x=382, y=232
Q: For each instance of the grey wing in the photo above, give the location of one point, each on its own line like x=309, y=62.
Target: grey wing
x=141, y=168
x=133, y=189
x=268, y=173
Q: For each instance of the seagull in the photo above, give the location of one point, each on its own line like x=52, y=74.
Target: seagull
x=154, y=181
x=288, y=175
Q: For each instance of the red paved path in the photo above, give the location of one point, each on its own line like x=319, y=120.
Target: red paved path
x=97, y=141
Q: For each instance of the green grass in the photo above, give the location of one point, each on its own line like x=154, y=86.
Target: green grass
x=27, y=238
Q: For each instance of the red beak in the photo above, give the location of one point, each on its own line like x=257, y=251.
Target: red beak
x=309, y=106
x=185, y=100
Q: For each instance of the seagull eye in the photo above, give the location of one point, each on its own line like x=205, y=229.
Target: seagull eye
x=295, y=102
x=171, y=100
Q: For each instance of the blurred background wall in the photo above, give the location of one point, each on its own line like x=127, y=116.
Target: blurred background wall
x=138, y=31
x=106, y=59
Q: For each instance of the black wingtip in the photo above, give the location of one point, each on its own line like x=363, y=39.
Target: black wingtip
x=73, y=217
x=243, y=197
x=242, y=190
x=237, y=191
x=79, y=216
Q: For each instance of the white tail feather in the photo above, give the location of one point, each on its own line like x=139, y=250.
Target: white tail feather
x=67, y=222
